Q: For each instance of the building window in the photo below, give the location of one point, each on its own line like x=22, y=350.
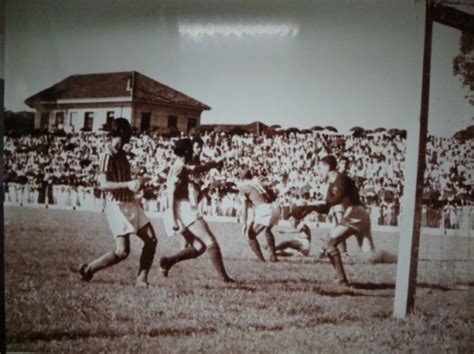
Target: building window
x=44, y=122
x=109, y=123
x=145, y=122
x=88, y=121
x=172, y=122
x=59, y=118
x=192, y=123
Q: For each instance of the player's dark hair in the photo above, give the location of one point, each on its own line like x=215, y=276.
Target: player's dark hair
x=183, y=147
x=330, y=160
x=121, y=128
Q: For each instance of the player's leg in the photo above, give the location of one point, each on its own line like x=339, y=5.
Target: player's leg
x=121, y=252
x=147, y=235
x=195, y=247
x=252, y=233
x=201, y=230
x=284, y=246
x=336, y=236
x=271, y=243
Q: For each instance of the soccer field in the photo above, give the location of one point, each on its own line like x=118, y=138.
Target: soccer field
x=291, y=306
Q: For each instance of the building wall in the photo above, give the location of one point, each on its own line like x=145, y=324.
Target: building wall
x=74, y=117
x=160, y=114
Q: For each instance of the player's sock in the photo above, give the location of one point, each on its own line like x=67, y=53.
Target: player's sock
x=146, y=260
x=336, y=261
x=271, y=245
x=216, y=259
x=255, y=247
x=343, y=247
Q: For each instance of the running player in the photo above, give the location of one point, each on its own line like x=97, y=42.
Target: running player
x=183, y=216
x=124, y=213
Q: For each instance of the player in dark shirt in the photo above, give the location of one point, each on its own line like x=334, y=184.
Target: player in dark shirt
x=124, y=213
x=343, y=193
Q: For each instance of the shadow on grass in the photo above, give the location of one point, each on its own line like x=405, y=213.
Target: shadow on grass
x=33, y=336
x=387, y=286
x=290, y=285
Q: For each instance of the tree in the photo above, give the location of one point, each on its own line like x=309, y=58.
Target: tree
x=463, y=64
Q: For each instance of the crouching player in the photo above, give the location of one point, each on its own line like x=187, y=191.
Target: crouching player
x=183, y=216
x=124, y=213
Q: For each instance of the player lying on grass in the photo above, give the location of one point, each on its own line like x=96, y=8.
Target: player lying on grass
x=267, y=212
x=301, y=243
x=124, y=213
x=183, y=216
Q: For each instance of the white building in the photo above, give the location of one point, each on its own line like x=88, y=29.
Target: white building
x=89, y=102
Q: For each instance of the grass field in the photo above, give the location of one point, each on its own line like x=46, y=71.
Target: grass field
x=292, y=306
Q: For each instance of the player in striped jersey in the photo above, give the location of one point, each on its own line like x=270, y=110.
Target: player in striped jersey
x=183, y=216
x=124, y=213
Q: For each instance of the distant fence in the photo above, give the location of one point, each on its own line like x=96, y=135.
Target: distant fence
x=449, y=221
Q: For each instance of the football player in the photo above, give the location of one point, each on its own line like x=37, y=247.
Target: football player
x=124, y=212
x=355, y=220
x=254, y=194
x=183, y=216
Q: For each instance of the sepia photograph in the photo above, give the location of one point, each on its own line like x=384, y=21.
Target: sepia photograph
x=237, y=176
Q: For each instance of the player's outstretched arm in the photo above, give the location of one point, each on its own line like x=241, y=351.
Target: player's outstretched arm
x=197, y=169
x=105, y=185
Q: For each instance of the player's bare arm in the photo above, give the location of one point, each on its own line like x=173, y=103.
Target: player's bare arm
x=202, y=168
x=245, y=213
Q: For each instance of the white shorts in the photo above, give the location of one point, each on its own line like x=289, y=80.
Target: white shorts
x=186, y=214
x=267, y=214
x=125, y=218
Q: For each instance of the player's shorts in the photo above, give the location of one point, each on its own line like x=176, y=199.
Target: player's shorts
x=358, y=219
x=267, y=214
x=186, y=214
x=125, y=218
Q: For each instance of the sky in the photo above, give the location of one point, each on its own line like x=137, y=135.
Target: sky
x=302, y=63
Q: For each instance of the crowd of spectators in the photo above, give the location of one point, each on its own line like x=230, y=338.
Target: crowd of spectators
x=62, y=169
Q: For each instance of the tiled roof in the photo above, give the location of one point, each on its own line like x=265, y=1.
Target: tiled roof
x=115, y=84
